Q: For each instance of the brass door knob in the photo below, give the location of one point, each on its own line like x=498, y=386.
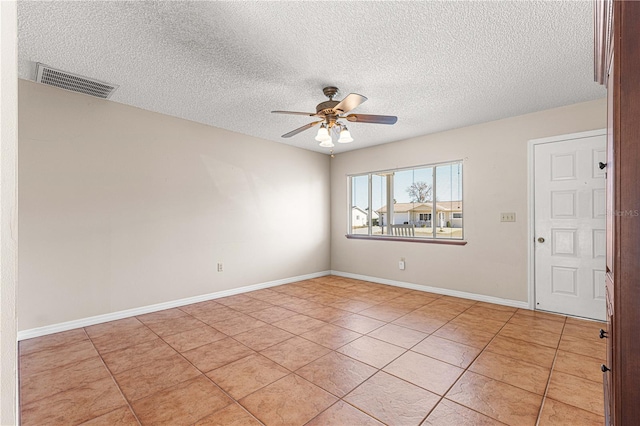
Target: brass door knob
x=541, y=240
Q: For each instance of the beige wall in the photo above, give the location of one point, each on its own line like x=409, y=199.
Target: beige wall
x=122, y=208
x=494, y=262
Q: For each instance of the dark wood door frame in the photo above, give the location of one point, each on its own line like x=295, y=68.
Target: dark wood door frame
x=617, y=65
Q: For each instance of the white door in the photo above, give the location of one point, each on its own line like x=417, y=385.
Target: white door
x=570, y=212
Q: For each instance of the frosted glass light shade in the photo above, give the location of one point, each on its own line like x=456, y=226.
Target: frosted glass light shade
x=327, y=143
x=323, y=133
x=345, y=136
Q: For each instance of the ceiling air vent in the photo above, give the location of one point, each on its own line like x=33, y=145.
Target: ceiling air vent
x=75, y=83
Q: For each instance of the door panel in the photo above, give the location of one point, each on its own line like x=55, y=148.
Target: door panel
x=570, y=215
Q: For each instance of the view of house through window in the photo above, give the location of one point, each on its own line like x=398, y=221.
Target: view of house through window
x=421, y=202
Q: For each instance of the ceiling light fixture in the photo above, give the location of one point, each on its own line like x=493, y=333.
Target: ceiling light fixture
x=323, y=133
x=327, y=143
x=345, y=136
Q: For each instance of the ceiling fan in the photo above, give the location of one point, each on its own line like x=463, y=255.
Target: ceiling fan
x=331, y=112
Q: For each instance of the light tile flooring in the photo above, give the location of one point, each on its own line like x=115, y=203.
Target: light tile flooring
x=327, y=351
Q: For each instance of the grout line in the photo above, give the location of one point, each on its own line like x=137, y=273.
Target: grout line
x=258, y=353
x=168, y=387
x=469, y=365
x=378, y=370
x=113, y=379
x=513, y=313
x=553, y=365
x=483, y=351
x=434, y=407
x=381, y=369
x=88, y=338
x=204, y=374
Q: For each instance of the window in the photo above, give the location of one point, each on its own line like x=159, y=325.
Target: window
x=427, y=198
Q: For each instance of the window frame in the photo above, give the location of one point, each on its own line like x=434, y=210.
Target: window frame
x=390, y=196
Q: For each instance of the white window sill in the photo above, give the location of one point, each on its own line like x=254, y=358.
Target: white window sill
x=407, y=239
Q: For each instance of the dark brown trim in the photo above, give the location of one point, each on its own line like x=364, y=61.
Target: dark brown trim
x=408, y=240
x=622, y=372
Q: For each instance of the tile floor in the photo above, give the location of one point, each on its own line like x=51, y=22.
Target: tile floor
x=327, y=351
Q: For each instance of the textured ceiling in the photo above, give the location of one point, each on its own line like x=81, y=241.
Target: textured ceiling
x=436, y=65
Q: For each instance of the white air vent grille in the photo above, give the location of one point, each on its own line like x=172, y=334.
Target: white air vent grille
x=75, y=83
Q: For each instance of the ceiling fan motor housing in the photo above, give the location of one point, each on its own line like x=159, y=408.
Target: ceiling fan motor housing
x=326, y=108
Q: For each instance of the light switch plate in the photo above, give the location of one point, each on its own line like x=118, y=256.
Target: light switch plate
x=507, y=217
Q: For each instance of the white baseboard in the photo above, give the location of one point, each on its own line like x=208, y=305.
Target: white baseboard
x=84, y=322
x=437, y=290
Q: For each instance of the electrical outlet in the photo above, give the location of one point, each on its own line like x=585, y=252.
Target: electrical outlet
x=507, y=217
x=401, y=264
x=220, y=267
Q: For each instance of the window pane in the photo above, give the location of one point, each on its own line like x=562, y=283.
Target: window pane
x=449, y=201
x=360, y=205
x=378, y=203
x=413, y=200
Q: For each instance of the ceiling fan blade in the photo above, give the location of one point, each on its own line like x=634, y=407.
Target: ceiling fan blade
x=350, y=102
x=369, y=118
x=301, y=129
x=309, y=114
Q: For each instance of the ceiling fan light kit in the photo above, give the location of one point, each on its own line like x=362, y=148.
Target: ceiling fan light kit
x=330, y=112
